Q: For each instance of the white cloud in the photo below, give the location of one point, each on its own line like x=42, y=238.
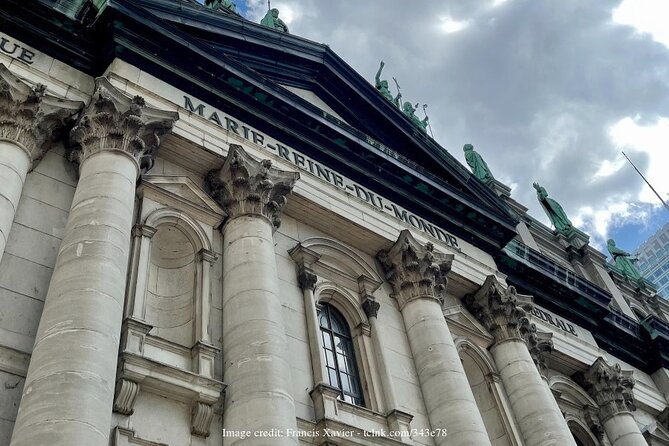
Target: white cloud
x=646, y=16
x=449, y=25
x=608, y=167
x=651, y=140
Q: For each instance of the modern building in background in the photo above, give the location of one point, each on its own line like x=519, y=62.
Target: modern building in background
x=653, y=255
x=214, y=232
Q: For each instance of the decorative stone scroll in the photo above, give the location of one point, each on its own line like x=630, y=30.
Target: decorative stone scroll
x=415, y=270
x=201, y=419
x=539, y=344
x=502, y=311
x=125, y=396
x=114, y=121
x=610, y=387
x=371, y=308
x=29, y=117
x=245, y=186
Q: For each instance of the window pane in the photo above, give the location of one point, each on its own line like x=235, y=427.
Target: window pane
x=345, y=384
x=341, y=362
x=323, y=319
x=332, y=375
x=329, y=358
x=327, y=339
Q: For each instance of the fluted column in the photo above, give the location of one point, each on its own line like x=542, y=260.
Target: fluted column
x=505, y=314
x=418, y=276
x=29, y=119
x=258, y=397
x=611, y=388
x=69, y=389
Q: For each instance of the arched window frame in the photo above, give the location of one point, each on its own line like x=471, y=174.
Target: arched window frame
x=342, y=364
x=347, y=305
x=579, y=408
x=485, y=362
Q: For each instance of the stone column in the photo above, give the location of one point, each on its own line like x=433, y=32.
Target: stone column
x=505, y=314
x=29, y=121
x=69, y=389
x=612, y=388
x=258, y=397
x=418, y=277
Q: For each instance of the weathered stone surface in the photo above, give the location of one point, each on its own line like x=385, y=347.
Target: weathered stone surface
x=113, y=121
x=415, y=270
x=610, y=387
x=245, y=186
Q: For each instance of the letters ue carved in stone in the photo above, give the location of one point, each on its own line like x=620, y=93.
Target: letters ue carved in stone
x=554, y=211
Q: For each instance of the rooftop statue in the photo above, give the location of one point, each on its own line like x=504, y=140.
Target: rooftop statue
x=410, y=111
x=477, y=164
x=382, y=86
x=221, y=4
x=554, y=211
x=273, y=21
x=625, y=262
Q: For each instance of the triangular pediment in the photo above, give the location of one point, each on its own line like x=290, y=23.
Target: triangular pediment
x=182, y=192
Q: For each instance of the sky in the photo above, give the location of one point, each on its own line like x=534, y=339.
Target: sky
x=547, y=91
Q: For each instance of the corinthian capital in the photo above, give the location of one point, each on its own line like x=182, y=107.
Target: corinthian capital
x=609, y=386
x=500, y=310
x=29, y=117
x=114, y=121
x=415, y=270
x=539, y=344
x=245, y=186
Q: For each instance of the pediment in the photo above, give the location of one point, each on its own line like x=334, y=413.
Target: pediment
x=182, y=192
x=462, y=324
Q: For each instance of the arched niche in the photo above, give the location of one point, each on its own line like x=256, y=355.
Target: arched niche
x=171, y=286
x=579, y=408
x=487, y=391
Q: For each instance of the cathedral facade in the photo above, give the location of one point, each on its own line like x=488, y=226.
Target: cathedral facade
x=213, y=232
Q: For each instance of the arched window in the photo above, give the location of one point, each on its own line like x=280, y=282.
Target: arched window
x=339, y=355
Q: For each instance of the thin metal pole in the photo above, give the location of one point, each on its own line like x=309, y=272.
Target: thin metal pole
x=664, y=203
x=429, y=126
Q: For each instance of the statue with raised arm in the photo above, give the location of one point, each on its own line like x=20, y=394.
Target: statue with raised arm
x=625, y=262
x=410, y=112
x=272, y=20
x=555, y=213
x=221, y=4
x=477, y=164
x=382, y=86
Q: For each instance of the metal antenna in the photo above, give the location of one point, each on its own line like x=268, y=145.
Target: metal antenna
x=664, y=203
x=269, y=6
x=429, y=126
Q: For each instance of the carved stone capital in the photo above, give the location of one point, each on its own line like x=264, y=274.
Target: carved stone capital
x=116, y=122
x=414, y=270
x=306, y=278
x=591, y=417
x=201, y=419
x=610, y=387
x=500, y=310
x=371, y=308
x=125, y=396
x=539, y=344
x=245, y=186
x=29, y=117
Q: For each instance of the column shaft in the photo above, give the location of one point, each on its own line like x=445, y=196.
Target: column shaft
x=69, y=388
x=537, y=413
x=448, y=397
x=622, y=430
x=14, y=166
x=386, y=379
x=258, y=397
x=314, y=333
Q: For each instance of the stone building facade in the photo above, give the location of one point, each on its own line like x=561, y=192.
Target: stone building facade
x=214, y=233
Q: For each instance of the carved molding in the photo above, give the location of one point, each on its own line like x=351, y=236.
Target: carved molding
x=414, y=270
x=371, y=308
x=502, y=311
x=306, y=278
x=245, y=186
x=592, y=419
x=114, y=121
x=201, y=419
x=610, y=387
x=125, y=396
x=29, y=117
x=539, y=344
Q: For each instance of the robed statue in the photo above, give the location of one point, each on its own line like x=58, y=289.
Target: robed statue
x=554, y=211
x=273, y=21
x=221, y=4
x=625, y=262
x=382, y=86
x=410, y=112
x=477, y=164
